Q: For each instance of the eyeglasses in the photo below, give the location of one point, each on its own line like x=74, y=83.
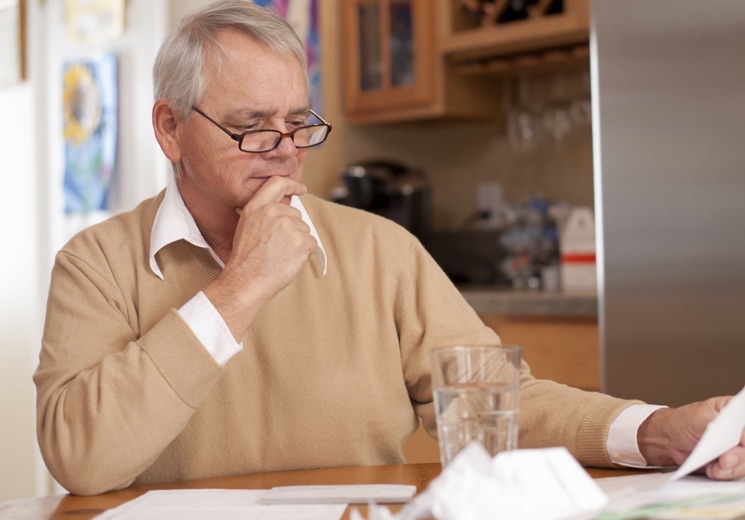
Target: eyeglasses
x=259, y=141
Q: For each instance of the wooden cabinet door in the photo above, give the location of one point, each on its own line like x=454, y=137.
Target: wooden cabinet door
x=388, y=56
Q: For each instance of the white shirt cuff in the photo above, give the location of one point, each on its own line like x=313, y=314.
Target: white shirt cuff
x=210, y=328
x=622, y=444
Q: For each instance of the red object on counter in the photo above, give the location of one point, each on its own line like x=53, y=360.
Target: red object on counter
x=579, y=258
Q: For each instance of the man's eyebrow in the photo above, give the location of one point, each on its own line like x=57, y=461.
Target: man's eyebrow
x=299, y=112
x=248, y=114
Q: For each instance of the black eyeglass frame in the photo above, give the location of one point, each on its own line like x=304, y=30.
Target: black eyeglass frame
x=280, y=135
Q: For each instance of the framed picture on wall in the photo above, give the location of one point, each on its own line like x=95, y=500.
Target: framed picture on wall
x=90, y=108
x=94, y=21
x=12, y=41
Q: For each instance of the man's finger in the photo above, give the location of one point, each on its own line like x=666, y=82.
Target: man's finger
x=729, y=466
x=276, y=189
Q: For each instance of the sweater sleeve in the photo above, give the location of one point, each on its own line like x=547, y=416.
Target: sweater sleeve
x=552, y=414
x=109, y=398
x=434, y=313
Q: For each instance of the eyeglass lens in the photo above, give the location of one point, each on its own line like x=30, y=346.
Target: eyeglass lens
x=268, y=139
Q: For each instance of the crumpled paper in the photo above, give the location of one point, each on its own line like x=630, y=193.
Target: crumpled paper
x=540, y=484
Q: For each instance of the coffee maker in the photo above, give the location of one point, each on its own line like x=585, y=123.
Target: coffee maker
x=389, y=189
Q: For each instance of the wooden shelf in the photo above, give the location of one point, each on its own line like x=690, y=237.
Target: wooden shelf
x=536, y=63
x=572, y=27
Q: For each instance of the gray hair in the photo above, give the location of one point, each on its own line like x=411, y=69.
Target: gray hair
x=178, y=74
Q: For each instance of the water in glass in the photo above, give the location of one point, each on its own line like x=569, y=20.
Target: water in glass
x=484, y=412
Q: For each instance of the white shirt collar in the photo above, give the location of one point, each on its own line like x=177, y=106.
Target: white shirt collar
x=173, y=222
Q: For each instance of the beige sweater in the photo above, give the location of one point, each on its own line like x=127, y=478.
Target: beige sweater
x=333, y=372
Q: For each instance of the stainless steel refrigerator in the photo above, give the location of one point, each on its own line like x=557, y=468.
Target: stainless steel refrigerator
x=669, y=155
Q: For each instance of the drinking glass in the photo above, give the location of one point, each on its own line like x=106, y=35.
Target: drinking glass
x=476, y=390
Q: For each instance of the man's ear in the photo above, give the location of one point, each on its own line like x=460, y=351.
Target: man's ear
x=165, y=124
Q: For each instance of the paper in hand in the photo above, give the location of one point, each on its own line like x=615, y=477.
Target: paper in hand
x=722, y=434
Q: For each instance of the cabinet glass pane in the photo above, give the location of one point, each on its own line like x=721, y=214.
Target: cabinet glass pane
x=371, y=75
x=402, y=44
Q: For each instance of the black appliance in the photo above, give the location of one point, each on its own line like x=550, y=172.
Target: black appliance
x=392, y=190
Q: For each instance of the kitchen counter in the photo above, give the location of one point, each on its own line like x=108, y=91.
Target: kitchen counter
x=490, y=300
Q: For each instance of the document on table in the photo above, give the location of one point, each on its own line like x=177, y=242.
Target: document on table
x=691, y=497
x=281, y=503
x=349, y=494
x=225, y=504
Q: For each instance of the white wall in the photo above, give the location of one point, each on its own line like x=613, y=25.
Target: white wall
x=31, y=219
x=19, y=317
x=21, y=473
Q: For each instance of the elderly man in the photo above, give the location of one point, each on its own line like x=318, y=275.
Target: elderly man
x=236, y=324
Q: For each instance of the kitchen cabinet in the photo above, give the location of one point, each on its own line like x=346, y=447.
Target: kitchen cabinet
x=407, y=60
x=393, y=69
x=388, y=65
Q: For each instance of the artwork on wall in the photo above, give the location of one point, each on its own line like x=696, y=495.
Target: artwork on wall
x=90, y=115
x=302, y=15
x=91, y=21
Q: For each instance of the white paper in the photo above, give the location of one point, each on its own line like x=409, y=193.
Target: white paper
x=223, y=504
x=342, y=494
x=545, y=484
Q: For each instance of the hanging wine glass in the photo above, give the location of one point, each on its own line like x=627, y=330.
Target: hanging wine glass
x=523, y=119
x=582, y=103
x=557, y=115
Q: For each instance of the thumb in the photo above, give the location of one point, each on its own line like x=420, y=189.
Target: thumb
x=718, y=403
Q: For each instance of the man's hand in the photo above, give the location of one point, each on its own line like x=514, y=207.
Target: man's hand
x=270, y=246
x=668, y=436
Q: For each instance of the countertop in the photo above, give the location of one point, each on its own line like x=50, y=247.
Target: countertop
x=486, y=299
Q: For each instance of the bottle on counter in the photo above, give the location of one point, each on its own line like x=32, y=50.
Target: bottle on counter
x=577, y=246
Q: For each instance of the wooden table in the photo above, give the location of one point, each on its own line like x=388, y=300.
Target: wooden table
x=70, y=507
